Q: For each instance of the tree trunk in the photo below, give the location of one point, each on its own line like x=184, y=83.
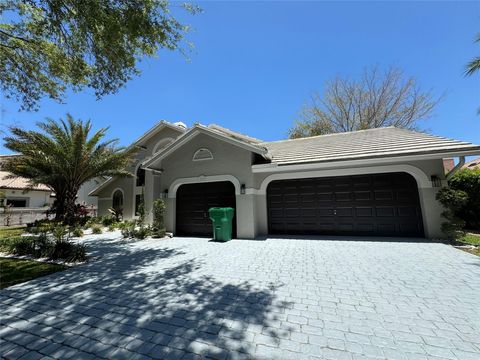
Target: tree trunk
x=70, y=206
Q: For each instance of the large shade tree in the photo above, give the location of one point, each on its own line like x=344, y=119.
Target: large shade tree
x=376, y=99
x=48, y=46
x=64, y=155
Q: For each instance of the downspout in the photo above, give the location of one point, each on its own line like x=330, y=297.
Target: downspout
x=457, y=167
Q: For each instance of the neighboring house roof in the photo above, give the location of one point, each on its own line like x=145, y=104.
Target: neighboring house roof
x=363, y=144
x=473, y=164
x=215, y=131
x=18, y=183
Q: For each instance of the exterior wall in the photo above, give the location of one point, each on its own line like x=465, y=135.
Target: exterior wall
x=35, y=198
x=82, y=195
x=128, y=185
x=229, y=163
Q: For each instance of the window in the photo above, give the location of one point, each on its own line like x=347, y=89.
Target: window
x=17, y=202
x=117, y=200
x=202, y=154
x=140, y=177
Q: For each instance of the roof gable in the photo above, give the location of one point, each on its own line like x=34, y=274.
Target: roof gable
x=218, y=133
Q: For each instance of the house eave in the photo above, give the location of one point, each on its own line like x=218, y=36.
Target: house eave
x=333, y=163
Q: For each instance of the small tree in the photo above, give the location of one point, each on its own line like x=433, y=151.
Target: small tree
x=377, y=99
x=158, y=224
x=64, y=155
x=461, y=201
x=141, y=208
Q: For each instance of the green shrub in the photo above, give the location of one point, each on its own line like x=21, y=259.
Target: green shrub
x=116, y=214
x=23, y=246
x=112, y=227
x=44, y=247
x=77, y=232
x=108, y=220
x=96, y=229
x=142, y=232
x=158, y=225
x=128, y=229
x=468, y=181
x=452, y=200
x=60, y=232
x=461, y=201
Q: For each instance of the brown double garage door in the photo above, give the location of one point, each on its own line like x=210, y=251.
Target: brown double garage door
x=378, y=205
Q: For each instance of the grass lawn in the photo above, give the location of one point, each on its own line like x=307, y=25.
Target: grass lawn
x=6, y=232
x=15, y=271
x=471, y=238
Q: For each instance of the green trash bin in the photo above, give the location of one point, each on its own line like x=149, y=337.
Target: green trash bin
x=222, y=219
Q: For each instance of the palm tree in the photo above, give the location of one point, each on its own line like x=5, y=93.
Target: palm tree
x=64, y=156
x=474, y=65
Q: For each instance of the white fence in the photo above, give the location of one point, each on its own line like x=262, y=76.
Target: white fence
x=21, y=216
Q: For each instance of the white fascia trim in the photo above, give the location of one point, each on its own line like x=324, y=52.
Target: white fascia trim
x=159, y=126
x=101, y=186
x=422, y=179
x=273, y=167
x=169, y=149
x=172, y=190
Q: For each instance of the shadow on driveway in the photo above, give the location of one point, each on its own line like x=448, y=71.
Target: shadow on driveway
x=151, y=300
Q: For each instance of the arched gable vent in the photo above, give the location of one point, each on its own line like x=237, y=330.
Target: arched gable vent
x=202, y=154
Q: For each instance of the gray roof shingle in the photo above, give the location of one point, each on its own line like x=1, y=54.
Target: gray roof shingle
x=372, y=143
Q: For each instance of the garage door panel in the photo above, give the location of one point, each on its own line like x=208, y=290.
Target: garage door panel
x=407, y=211
x=344, y=211
x=365, y=195
x=364, y=211
x=366, y=228
x=345, y=227
x=384, y=195
x=327, y=197
x=193, y=202
x=343, y=196
x=378, y=204
x=383, y=211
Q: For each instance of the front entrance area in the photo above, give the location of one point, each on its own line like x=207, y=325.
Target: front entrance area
x=377, y=204
x=193, y=202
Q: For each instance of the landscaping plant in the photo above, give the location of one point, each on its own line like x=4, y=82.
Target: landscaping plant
x=96, y=229
x=461, y=201
x=158, y=225
x=64, y=155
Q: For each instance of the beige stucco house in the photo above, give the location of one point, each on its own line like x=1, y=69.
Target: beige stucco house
x=371, y=182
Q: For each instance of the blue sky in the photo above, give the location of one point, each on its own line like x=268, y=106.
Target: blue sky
x=255, y=63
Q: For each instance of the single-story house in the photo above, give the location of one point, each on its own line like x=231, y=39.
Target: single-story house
x=378, y=182
x=472, y=164
x=17, y=193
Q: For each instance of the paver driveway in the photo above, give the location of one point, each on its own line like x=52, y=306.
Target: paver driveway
x=184, y=298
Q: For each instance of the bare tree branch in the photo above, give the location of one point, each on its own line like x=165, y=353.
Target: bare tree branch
x=377, y=99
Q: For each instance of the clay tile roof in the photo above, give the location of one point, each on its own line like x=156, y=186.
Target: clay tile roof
x=18, y=183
